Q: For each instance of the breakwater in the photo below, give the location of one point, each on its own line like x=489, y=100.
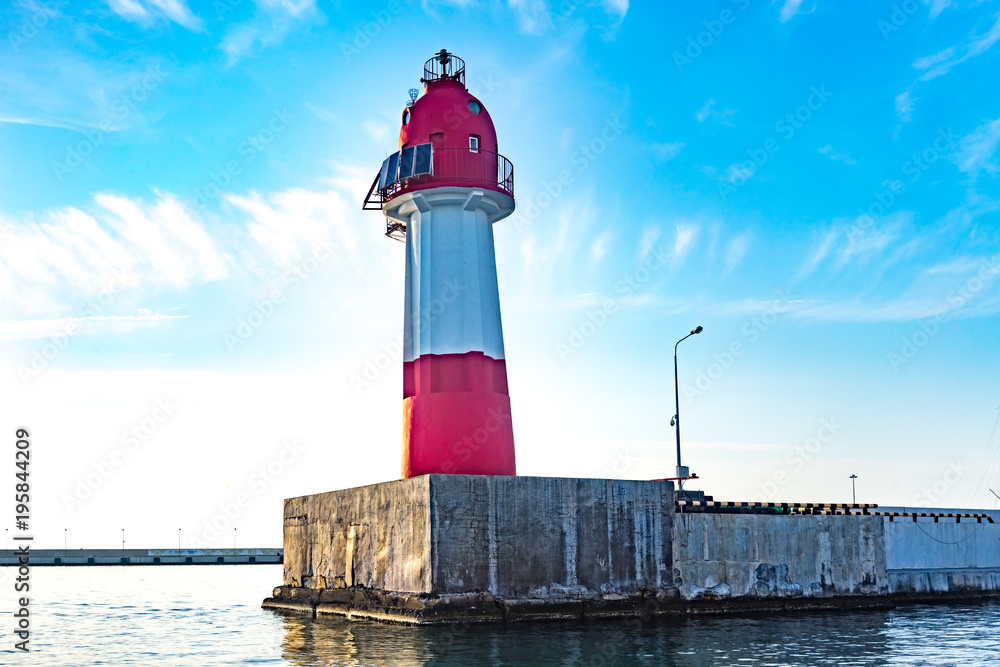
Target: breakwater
x=446, y=548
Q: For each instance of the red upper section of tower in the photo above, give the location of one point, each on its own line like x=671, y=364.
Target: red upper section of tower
x=448, y=116
x=458, y=127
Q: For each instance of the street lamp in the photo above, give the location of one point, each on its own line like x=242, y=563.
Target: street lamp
x=854, y=495
x=65, y=538
x=123, y=539
x=676, y=421
x=178, y=539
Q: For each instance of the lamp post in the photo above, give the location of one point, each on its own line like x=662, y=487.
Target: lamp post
x=676, y=421
x=234, y=538
x=178, y=539
x=854, y=495
x=123, y=539
x=65, y=538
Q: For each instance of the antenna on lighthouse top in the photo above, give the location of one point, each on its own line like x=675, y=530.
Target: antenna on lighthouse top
x=413, y=96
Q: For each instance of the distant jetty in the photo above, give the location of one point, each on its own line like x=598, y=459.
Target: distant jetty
x=145, y=556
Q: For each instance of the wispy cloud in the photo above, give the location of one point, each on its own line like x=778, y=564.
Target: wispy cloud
x=324, y=115
x=178, y=248
x=940, y=63
x=789, y=9
x=904, y=106
x=650, y=235
x=708, y=112
x=666, y=152
x=536, y=17
x=736, y=251
x=71, y=253
x=599, y=248
x=148, y=12
x=738, y=173
x=291, y=223
x=135, y=248
x=686, y=235
x=819, y=253
x=65, y=89
x=96, y=324
x=978, y=149
x=377, y=131
x=836, y=156
x=938, y=6
x=274, y=20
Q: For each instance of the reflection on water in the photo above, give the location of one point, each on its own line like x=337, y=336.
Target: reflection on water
x=921, y=635
x=210, y=615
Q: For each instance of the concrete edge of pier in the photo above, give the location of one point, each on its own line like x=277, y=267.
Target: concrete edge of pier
x=408, y=609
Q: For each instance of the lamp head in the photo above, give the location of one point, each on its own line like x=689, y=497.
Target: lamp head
x=673, y=420
x=697, y=330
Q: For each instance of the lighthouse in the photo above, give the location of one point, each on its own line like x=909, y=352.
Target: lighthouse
x=461, y=538
x=441, y=192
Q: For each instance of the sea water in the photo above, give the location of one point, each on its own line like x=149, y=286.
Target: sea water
x=210, y=615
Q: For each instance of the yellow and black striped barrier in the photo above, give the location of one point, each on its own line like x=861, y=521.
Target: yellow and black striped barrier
x=937, y=516
x=826, y=509
x=787, y=508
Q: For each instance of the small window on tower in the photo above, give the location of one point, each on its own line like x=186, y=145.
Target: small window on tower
x=406, y=117
x=473, y=143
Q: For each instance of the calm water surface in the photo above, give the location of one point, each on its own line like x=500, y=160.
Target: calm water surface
x=210, y=615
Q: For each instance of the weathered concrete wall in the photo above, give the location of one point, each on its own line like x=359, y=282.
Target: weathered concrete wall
x=447, y=548
x=943, y=557
x=510, y=536
x=539, y=537
x=744, y=555
x=374, y=536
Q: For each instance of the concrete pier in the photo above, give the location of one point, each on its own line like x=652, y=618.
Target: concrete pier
x=43, y=557
x=462, y=548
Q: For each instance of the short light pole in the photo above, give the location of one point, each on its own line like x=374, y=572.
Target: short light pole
x=178, y=539
x=123, y=539
x=676, y=421
x=234, y=538
x=65, y=538
x=854, y=495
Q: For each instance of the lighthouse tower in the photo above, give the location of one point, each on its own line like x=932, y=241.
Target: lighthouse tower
x=441, y=192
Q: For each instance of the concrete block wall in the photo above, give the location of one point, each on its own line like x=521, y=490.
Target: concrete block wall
x=752, y=555
x=539, y=537
x=947, y=556
x=375, y=536
x=517, y=537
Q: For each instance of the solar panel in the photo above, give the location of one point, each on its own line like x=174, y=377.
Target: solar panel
x=406, y=162
x=422, y=161
x=390, y=173
x=382, y=174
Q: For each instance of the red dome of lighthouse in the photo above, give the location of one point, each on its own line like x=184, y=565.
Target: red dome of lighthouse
x=447, y=139
x=447, y=115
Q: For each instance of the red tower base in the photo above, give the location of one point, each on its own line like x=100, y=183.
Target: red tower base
x=462, y=433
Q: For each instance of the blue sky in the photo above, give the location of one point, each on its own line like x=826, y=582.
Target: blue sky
x=182, y=249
